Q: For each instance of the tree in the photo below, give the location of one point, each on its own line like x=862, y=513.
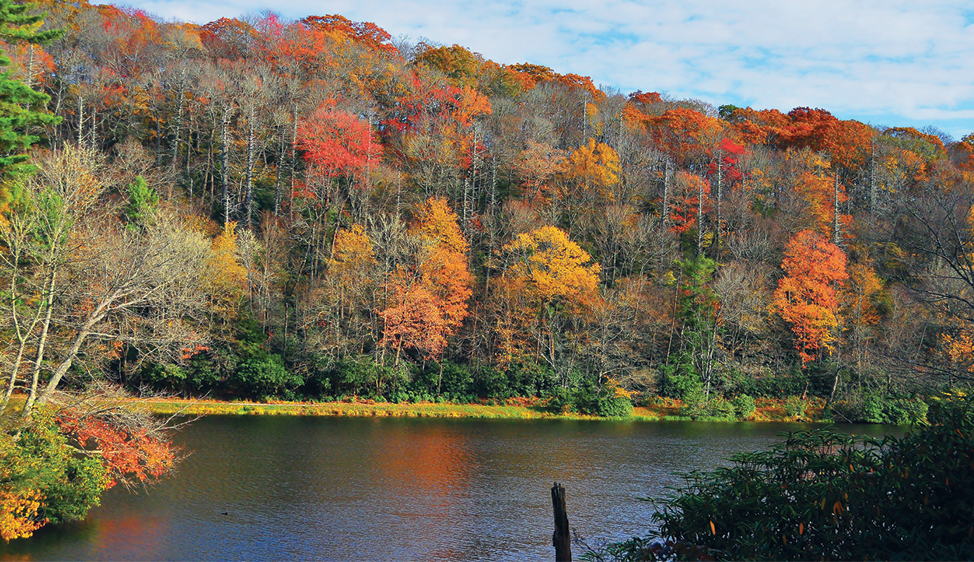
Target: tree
x=21, y=108
x=807, y=296
x=557, y=278
x=90, y=277
x=430, y=299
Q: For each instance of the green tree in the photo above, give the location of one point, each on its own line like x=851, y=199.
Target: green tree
x=21, y=108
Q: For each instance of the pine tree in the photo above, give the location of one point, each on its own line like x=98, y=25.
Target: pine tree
x=21, y=108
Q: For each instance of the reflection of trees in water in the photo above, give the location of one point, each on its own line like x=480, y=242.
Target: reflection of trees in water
x=423, y=471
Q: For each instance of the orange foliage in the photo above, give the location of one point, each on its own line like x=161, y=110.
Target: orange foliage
x=366, y=34
x=131, y=455
x=536, y=165
x=858, y=294
x=431, y=302
x=685, y=203
x=807, y=296
x=817, y=188
x=684, y=133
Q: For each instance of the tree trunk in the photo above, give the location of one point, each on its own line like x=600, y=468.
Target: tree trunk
x=667, y=182
x=81, y=119
x=720, y=196
x=561, y=539
x=249, y=193
x=836, y=233
x=224, y=156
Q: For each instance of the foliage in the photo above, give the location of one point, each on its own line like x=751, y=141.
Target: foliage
x=42, y=480
x=744, y=406
x=21, y=108
x=807, y=296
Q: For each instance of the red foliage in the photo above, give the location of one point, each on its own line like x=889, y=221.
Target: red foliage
x=131, y=454
x=337, y=143
x=728, y=154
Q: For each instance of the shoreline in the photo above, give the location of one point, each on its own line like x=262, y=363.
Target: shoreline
x=770, y=411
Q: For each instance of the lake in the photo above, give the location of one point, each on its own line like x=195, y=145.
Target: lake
x=301, y=488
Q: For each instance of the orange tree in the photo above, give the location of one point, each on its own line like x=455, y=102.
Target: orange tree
x=428, y=301
x=807, y=296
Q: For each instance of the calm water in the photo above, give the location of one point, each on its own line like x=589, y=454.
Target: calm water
x=294, y=488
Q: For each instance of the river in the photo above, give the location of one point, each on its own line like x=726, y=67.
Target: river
x=305, y=488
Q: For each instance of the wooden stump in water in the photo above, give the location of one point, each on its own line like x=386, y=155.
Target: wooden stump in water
x=561, y=538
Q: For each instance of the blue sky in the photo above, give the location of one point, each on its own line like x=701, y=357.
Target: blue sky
x=884, y=62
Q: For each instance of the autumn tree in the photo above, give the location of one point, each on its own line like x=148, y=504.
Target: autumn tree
x=807, y=297
x=430, y=300
x=557, y=276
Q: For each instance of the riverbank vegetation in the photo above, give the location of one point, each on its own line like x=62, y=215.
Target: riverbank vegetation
x=661, y=410
x=260, y=209
x=827, y=496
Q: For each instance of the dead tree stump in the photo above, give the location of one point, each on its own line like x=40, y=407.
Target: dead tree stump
x=561, y=538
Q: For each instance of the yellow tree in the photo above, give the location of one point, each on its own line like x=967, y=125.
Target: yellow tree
x=558, y=277
x=227, y=278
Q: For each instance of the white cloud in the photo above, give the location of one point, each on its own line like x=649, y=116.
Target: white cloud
x=888, y=59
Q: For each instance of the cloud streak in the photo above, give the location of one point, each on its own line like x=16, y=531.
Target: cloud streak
x=888, y=62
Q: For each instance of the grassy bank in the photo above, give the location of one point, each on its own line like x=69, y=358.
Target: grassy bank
x=767, y=410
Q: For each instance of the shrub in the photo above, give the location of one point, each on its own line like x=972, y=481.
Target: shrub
x=42, y=468
x=744, y=406
x=795, y=407
x=263, y=375
x=716, y=408
x=823, y=495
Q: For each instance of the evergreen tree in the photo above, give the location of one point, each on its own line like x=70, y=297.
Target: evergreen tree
x=21, y=108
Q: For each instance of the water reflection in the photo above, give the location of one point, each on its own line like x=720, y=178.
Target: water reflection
x=359, y=489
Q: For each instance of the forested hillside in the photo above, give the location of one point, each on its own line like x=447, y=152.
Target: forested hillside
x=260, y=208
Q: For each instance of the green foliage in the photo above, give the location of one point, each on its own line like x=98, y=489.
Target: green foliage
x=590, y=400
x=717, y=408
x=263, y=375
x=795, y=407
x=680, y=380
x=21, y=108
x=873, y=407
x=143, y=204
x=41, y=459
x=824, y=495
x=744, y=406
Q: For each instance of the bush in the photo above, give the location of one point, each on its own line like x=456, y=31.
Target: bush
x=610, y=401
x=823, y=495
x=716, y=408
x=795, y=407
x=681, y=381
x=41, y=464
x=263, y=376
x=744, y=406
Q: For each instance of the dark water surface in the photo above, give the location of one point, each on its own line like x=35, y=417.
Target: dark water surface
x=303, y=488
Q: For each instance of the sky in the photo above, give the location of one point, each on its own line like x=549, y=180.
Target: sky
x=883, y=62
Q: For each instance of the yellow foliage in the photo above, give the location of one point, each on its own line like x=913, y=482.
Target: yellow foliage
x=554, y=267
x=594, y=165
x=353, y=251
x=18, y=514
x=227, y=277
x=438, y=223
